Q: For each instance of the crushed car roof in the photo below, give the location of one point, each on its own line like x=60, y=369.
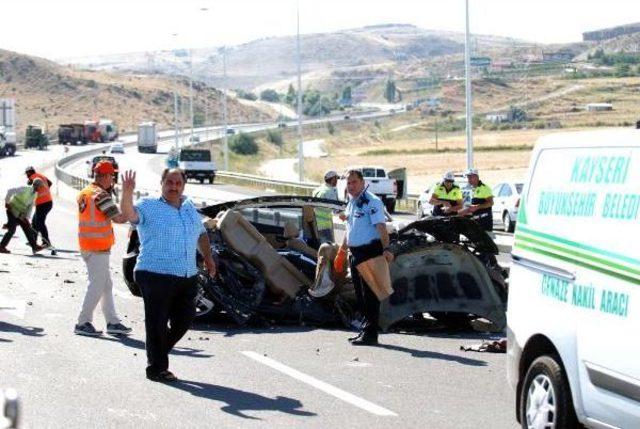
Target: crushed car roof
x=272, y=201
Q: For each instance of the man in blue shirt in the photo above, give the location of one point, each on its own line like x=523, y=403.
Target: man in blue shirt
x=171, y=231
x=366, y=237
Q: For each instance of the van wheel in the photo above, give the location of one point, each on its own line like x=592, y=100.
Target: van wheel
x=545, y=399
x=508, y=225
x=211, y=179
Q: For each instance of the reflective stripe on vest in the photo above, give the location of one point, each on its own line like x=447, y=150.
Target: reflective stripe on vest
x=44, y=193
x=20, y=203
x=95, y=232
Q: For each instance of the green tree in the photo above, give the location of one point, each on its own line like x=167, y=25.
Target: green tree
x=291, y=96
x=346, y=98
x=275, y=137
x=623, y=70
x=244, y=144
x=390, y=91
x=270, y=95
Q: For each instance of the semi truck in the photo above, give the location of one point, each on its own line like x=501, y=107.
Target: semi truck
x=147, y=137
x=71, y=134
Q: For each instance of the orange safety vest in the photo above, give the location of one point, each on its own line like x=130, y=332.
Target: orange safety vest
x=44, y=193
x=95, y=232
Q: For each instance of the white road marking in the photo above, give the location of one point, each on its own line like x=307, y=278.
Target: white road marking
x=15, y=307
x=321, y=385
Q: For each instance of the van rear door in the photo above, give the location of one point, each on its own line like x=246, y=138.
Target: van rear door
x=582, y=218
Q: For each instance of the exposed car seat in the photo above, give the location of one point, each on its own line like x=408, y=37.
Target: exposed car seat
x=291, y=234
x=245, y=239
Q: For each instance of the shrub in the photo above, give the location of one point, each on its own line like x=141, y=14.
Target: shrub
x=330, y=128
x=275, y=137
x=244, y=144
x=270, y=95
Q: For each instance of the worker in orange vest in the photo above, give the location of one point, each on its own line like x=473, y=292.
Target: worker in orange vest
x=44, y=204
x=96, y=213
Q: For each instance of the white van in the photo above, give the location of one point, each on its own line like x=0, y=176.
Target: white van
x=574, y=296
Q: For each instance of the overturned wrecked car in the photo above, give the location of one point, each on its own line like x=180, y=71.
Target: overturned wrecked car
x=275, y=263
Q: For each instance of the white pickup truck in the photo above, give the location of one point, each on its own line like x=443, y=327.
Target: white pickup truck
x=389, y=186
x=197, y=164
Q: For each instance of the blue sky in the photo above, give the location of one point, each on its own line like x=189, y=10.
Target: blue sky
x=71, y=28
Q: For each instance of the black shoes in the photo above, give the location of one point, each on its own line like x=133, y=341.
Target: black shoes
x=364, y=339
x=162, y=377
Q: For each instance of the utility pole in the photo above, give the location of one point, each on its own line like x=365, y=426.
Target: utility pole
x=300, y=142
x=191, y=94
x=467, y=72
x=175, y=105
x=225, y=142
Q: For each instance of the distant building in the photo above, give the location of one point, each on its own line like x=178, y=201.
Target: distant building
x=610, y=33
x=599, y=107
x=557, y=57
x=498, y=118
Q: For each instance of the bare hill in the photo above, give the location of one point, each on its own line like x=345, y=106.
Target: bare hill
x=273, y=59
x=49, y=94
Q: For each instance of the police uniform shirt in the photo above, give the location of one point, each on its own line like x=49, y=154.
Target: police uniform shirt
x=363, y=214
x=454, y=195
x=480, y=195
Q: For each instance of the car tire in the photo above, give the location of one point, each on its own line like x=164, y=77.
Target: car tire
x=453, y=319
x=211, y=179
x=11, y=150
x=508, y=224
x=546, y=396
x=201, y=180
x=390, y=205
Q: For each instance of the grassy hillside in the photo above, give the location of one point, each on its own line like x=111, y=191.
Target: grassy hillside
x=49, y=94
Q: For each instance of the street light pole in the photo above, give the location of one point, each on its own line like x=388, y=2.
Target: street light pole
x=467, y=73
x=175, y=105
x=225, y=142
x=191, y=93
x=300, y=142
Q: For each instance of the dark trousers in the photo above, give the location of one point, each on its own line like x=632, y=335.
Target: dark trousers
x=367, y=301
x=12, y=225
x=169, y=308
x=39, y=218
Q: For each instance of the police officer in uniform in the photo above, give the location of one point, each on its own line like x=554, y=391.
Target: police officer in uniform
x=481, y=201
x=446, y=198
x=366, y=237
x=324, y=217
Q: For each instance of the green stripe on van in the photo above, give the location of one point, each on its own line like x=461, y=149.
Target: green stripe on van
x=578, y=254
x=579, y=246
x=578, y=262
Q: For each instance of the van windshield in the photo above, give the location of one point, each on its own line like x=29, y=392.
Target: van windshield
x=195, y=155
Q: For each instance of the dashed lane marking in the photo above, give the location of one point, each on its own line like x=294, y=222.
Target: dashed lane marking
x=321, y=385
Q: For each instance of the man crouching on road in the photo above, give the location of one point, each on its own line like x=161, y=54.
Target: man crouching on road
x=96, y=212
x=170, y=230
x=367, y=238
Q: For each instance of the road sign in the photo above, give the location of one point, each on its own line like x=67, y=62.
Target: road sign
x=480, y=61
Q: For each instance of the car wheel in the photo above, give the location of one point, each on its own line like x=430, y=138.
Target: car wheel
x=211, y=178
x=390, y=205
x=11, y=151
x=201, y=180
x=545, y=399
x=507, y=223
